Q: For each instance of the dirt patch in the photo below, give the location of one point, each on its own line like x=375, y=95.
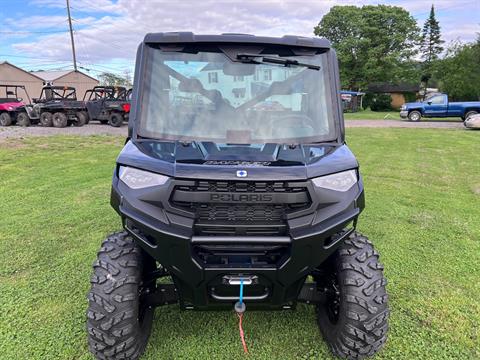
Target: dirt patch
x=476, y=189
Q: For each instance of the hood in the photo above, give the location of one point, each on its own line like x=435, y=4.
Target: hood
x=207, y=160
x=413, y=104
x=13, y=104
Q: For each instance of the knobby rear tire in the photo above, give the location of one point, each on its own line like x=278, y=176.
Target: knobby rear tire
x=59, y=120
x=5, y=119
x=23, y=119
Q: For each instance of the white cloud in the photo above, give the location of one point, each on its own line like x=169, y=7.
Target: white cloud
x=117, y=35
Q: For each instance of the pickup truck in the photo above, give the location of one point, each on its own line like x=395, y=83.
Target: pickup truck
x=438, y=106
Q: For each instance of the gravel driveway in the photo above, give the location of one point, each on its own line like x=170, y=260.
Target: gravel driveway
x=17, y=132
x=90, y=129
x=432, y=124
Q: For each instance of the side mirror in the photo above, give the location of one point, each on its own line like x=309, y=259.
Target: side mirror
x=429, y=102
x=19, y=99
x=35, y=100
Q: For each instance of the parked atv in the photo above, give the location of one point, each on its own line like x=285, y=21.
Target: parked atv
x=231, y=202
x=10, y=101
x=107, y=104
x=57, y=106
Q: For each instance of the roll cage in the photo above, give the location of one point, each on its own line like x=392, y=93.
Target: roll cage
x=106, y=92
x=9, y=92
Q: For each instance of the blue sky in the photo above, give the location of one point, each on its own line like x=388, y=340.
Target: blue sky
x=34, y=33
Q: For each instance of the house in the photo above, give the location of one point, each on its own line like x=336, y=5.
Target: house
x=399, y=93
x=13, y=75
x=77, y=79
x=35, y=80
x=238, y=89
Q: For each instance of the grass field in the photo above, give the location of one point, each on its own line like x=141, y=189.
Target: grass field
x=422, y=193
x=385, y=115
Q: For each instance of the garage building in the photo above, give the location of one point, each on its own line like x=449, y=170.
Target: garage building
x=34, y=81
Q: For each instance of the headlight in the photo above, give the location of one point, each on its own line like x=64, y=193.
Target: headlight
x=10, y=108
x=139, y=179
x=403, y=107
x=342, y=181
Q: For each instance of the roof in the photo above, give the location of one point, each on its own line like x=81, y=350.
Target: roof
x=51, y=75
x=212, y=66
x=20, y=69
x=393, y=88
x=189, y=37
x=56, y=74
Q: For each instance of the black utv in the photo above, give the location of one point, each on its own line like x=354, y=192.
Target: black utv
x=57, y=106
x=107, y=104
x=241, y=190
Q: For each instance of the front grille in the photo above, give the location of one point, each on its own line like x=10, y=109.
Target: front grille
x=239, y=207
x=215, y=212
x=242, y=186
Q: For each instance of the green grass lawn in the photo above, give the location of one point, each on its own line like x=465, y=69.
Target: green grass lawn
x=385, y=115
x=422, y=193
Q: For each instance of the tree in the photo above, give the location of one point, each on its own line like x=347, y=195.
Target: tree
x=111, y=79
x=430, y=47
x=431, y=41
x=459, y=72
x=373, y=43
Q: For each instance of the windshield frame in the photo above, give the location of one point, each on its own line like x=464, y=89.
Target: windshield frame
x=330, y=68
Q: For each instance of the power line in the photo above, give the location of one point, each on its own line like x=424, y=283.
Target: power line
x=32, y=32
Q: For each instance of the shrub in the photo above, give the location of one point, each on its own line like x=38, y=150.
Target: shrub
x=381, y=102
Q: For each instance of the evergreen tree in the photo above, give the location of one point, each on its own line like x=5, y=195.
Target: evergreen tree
x=430, y=47
x=431, y=43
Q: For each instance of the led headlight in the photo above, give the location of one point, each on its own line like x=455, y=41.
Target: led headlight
x=139, y=179
x=342, y=181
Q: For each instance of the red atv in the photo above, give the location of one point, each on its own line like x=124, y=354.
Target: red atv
x=9, y=103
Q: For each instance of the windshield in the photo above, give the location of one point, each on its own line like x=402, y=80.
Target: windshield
x=208, y=94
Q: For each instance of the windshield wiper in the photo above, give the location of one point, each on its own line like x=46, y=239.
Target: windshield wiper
x=260, y=59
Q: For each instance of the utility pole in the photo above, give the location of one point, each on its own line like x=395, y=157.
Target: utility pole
x=71, y=36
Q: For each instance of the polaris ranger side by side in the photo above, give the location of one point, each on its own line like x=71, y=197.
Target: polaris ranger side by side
x=236, y=183
x=57, y=106
x=107, y=104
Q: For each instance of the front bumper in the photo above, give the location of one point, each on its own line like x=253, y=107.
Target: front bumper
x=201, y=265
x=404, y=114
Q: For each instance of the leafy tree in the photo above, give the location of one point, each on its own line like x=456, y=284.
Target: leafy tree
x=111, y=79
x=373, y=43
x=459, y=72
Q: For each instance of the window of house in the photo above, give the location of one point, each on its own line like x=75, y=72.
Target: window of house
x=239, y=93
x=212, y=77
x=267, y=74
x=237, y=78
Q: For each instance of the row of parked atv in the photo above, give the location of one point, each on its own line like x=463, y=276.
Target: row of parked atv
x=58, y=106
